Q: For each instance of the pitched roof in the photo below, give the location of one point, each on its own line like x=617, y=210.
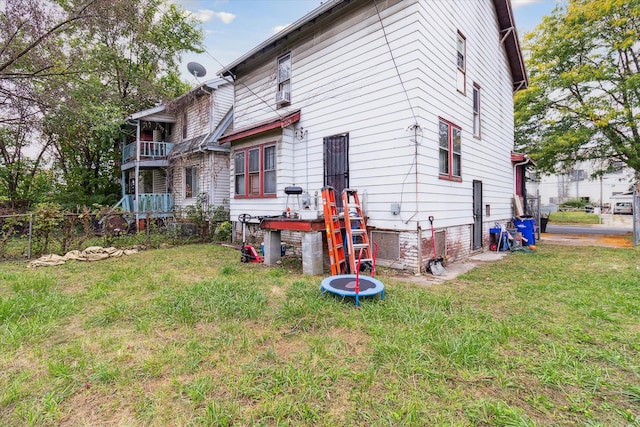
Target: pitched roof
x=506, y=23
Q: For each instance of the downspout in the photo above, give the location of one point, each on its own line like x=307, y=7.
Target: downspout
x=415, y=128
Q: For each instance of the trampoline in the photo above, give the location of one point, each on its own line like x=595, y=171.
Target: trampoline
x=345, y=285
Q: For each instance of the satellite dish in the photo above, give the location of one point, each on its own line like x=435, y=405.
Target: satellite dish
x=196, y=69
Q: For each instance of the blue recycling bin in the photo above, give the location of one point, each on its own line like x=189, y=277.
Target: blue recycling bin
x=527, y=227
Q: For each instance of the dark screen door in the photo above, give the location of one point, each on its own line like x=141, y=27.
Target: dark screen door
x=477, y=215
x=336, y=164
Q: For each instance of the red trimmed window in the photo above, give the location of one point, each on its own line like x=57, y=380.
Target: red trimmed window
x=450, y=149
x=255, y=171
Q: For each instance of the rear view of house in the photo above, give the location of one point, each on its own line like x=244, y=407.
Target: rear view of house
x=408, y=102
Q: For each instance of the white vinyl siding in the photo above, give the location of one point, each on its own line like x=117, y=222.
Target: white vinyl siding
x=346, y=82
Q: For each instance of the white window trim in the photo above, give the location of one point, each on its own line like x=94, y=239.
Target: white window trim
x=461, y=72
x=477, y=111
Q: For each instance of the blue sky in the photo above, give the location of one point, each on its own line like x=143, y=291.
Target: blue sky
x=233, y=27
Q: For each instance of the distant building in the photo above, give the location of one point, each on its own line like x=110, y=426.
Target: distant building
x=580, y=184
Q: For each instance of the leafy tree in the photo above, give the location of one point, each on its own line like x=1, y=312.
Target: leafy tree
x=71, y=71
x=30, y=52
x=583, y=101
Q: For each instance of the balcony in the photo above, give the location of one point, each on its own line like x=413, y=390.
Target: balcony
x=155, y=204
x=152, y=154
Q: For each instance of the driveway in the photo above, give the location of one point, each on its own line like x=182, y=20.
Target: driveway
x=607, y=235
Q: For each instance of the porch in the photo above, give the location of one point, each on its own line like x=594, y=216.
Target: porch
x=155, y=205
x=152, y=154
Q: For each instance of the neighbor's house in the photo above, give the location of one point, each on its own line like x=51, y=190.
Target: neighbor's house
x=171, y=155
x=585, y=182
x=410, y=102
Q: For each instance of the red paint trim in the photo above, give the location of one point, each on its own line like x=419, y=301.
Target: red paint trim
x=517, y=157
x=259, y=128
x=292, y=224
x=247, y=176
x=450, y=176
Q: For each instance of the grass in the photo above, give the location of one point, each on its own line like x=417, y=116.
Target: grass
x=569, y=217
x=190, y=336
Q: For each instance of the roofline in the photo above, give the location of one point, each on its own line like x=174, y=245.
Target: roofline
x=522, y=159
x=506, y=23
x=511, y=42
x=147, y=112
x=328, y=5
x=258, y=128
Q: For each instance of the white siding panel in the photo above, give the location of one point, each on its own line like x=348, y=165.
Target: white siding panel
x=345, y=81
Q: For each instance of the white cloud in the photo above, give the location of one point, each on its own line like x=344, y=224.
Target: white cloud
x=206, y=15
x=279, y=28
x=226, y=17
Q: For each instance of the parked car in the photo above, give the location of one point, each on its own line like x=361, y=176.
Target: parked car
x=622, y=208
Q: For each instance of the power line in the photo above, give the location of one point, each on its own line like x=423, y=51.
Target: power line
x=200, y=45
x=394, y=62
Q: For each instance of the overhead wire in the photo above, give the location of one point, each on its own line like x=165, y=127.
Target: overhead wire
x=395, y=65
x=235, y=81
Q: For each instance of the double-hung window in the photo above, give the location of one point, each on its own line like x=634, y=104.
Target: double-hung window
x=283, y=96
x=450, y=151
x=255, y=171
x=476, y=110
x=191, y=182
x=461, y=60
x=184, y=125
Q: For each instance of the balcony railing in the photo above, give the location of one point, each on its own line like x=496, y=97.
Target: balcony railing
x=156, y=204
x=149, y=150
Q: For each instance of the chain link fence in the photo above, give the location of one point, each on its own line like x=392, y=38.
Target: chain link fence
x=27, y=236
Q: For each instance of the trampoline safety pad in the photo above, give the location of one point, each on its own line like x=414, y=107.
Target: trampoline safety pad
x=345, y=285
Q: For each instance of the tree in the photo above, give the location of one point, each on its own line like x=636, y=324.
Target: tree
x=583, y=100
x=30, y=53
x=71, y=71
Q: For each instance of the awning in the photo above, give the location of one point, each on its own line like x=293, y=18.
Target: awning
x=522, y=159
x=258, y=128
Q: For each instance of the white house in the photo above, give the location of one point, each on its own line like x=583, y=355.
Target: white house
x=581, y=183
x=171, y=155
x=410, y=102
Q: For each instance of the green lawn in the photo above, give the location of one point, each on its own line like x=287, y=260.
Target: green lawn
x=574, y=218
x=189, y=336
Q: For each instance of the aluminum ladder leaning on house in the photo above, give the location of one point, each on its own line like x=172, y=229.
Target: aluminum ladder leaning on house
x=334, y=234
x=358, y=245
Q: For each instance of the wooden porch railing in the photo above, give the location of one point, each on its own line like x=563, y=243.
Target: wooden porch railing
x=156, y=204
x=148, y=150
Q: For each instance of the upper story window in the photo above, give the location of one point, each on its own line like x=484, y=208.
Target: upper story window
x=461, y=59
x=184, y=125
x=283, y=95
x=450, y=151
x=476, y=110
x=191, y=182
x=255, y=171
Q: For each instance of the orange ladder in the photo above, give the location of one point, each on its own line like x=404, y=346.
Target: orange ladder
x=358, y=244
x=334, y=234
